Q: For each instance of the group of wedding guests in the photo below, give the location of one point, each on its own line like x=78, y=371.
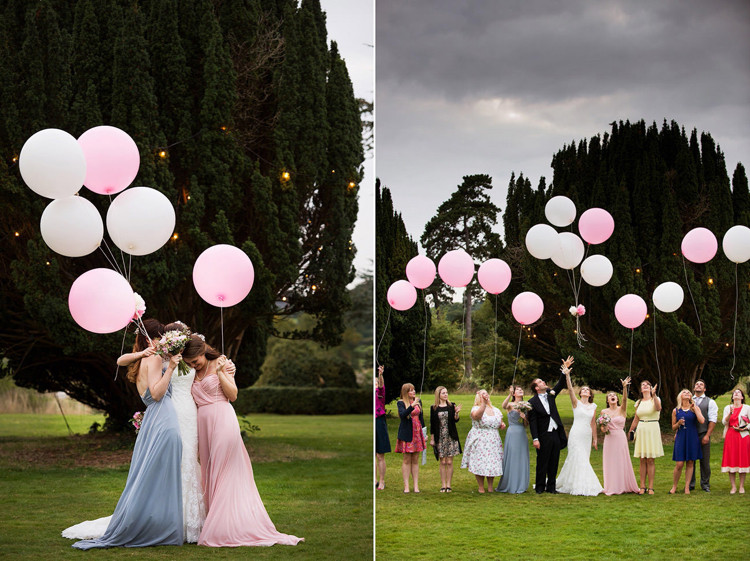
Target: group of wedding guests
x=693, y=420
x=190, y=477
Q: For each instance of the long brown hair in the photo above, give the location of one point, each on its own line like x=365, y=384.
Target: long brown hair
x=196, y=347
x=405, y=389
x=155, y=329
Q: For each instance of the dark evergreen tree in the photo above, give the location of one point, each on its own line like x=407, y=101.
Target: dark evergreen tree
x=399, y=336
x=658, y=184
x=203, y=88
x=465, y=221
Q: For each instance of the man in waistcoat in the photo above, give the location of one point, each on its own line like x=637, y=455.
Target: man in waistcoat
x=710, y=413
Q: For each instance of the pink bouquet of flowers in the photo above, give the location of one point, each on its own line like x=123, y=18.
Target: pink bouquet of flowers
x=172, y=343
x=137, y=420
x=521, y=406
x=603, y=420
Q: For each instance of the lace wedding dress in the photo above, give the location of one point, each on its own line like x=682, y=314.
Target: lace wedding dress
x=577, y=477
x=193, y=505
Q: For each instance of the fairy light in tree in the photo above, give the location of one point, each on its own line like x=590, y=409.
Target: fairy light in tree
x=710, y=281
x=18, y=234
x=175, y=236
x=48, y=262
x=638, y=271
x=314, y=288
x=223, y=127
x=162, y=154
x=726, y=344
x=15, y=159
x=283, y=298
x=285, y=176
x=352, y=185
x=618, y=346
x=333, y=171
x=648, y=316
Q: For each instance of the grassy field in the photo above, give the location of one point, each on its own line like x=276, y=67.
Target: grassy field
x=314, y=474
x=468, y=525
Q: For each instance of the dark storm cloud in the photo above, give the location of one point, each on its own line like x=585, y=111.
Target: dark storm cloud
x=556, y=49
x=498, y=87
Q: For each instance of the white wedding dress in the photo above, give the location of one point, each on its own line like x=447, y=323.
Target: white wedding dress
x=193, y=505
x=577, y=477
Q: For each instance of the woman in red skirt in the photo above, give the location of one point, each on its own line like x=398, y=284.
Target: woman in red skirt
x=736, y=457
x=411, y=438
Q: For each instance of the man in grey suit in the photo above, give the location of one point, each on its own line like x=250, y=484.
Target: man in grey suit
x=710, y=413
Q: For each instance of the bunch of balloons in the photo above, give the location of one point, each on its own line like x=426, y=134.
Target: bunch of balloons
x=140, y=220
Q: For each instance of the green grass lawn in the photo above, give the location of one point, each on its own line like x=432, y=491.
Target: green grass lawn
x=314, y=474
x=468, y=525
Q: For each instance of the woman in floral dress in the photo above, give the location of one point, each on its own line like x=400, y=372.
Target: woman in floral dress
x=444, y=435
x=411, y=438
x=483, y=451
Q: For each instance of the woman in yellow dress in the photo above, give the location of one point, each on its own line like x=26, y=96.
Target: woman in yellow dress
x=647, y=435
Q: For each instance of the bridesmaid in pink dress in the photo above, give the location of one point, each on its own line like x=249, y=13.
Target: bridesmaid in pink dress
x=619, y=476
x=236, y=515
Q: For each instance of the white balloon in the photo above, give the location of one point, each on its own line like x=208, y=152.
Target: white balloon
x=541, y=241
x=72, y=226
x=140, y=220
x=668, y=297
x=560, y=211
x=736, y=244
x=596, y=270
x=568, y=251
x=52, y=164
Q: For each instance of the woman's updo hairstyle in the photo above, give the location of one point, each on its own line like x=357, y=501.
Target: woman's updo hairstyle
x=155, y=330
x=196, y=347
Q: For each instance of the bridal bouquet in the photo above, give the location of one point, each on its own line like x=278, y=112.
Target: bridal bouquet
x=521, y=406
x=137, y=420
x=603, y=420
x=172, y=343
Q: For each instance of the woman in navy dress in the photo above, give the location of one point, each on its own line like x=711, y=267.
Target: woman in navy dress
x=149, y=511
x=687, y=447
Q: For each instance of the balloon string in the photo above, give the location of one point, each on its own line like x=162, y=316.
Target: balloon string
x=122, y=349
x=113, y=261
x=463, y=332
x=221, y=311
x=494, y=362
x=130, y=264
x=518, y=353
x=687, y=282
x=656, y=350
x=424, y=344
x=385, y=329
x=734, y=334
x=630, y=366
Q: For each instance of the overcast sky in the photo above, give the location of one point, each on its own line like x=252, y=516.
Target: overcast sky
x=350, y=24
x=498, y=86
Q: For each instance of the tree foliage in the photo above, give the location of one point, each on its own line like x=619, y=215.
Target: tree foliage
x=465, y=221
x=262, y=146
x=400, y=335
x=658, y=184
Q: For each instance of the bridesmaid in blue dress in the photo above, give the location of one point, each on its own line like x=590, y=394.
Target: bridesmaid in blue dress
x=687, y=446
x=149, y=511
x=516, y=459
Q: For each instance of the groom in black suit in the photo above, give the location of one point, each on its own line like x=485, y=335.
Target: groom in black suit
x=547, y=430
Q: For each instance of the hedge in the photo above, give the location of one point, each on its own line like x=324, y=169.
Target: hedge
x=304, y=401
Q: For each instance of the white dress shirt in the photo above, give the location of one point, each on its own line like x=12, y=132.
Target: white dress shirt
x=545, y=403
x=713, y=409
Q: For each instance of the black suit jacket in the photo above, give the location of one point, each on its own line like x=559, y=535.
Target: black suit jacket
x=539, y=418
x=405, y=431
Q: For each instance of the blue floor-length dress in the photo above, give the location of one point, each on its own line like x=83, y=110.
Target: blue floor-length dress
x=149, y=511
x=516, y=459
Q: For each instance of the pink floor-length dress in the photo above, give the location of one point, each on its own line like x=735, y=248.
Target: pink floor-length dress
x=618, y=470
x=236, y=515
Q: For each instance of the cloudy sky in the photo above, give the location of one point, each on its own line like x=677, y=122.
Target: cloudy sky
x=490, y=86
x=350, y=24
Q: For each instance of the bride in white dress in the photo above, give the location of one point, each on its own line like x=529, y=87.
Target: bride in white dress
x=577, y=477
x=193, y=505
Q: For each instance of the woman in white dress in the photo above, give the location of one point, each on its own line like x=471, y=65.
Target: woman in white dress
x=577, y=477
x=483, y=451
x=193, y=505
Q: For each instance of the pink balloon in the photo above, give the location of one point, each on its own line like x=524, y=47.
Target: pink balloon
x=699, y=245
x=402, y=295
x=223, y=275
x=456, y=268
x=101, y=301
x=420, y=271
x=596, y=225
x=527, y=308
x=494, y=275
x=631, y=310
x=112, y=159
